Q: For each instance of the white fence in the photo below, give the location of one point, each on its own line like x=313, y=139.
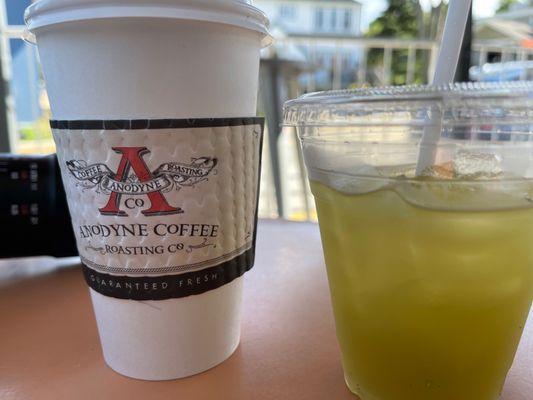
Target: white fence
x=361, y=46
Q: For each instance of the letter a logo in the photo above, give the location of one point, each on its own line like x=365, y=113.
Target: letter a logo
x=132, y=159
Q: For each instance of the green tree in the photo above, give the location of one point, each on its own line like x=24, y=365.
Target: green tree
x=401, y=20
x=505, y=5
x=405, y=19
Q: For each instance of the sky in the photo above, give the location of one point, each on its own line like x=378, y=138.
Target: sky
x=373, y=8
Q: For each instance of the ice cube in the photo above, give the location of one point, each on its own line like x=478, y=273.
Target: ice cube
x=467, y=165
x=356, y=185
x=405, y=171
x=443, y=171
x=355, y=179
x=475, y=165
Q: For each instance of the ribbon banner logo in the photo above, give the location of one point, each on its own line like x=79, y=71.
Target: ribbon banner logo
x=133, y=178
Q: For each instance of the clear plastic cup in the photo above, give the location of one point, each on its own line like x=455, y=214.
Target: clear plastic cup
x=431, y=277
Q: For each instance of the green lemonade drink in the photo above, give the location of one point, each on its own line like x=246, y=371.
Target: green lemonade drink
x=430, y=264
x=429, y=304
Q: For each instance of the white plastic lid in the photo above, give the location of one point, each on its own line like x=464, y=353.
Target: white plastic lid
x=239, y=13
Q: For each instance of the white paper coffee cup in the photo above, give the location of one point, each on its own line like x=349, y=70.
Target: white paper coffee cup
x=153, y=107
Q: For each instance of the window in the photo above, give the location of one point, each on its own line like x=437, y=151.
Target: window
x=287, y=11
x=27, y=111
x=319, y=18
x=345, y=61
x=347, y=19
x=333, y=18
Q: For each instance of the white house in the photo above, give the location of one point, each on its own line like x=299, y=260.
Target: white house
x=314, y=17
x=335, y=65
x=519, y=12
x=505, y=37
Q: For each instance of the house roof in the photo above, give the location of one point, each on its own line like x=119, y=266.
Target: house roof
x=508, y=29
x=518, y=12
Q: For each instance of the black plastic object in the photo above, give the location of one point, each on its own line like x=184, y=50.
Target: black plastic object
x=34, y=216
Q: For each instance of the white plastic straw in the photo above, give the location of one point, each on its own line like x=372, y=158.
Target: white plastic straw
x=450, y=49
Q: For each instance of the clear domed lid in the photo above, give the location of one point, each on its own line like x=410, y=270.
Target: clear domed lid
x=413, y=104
